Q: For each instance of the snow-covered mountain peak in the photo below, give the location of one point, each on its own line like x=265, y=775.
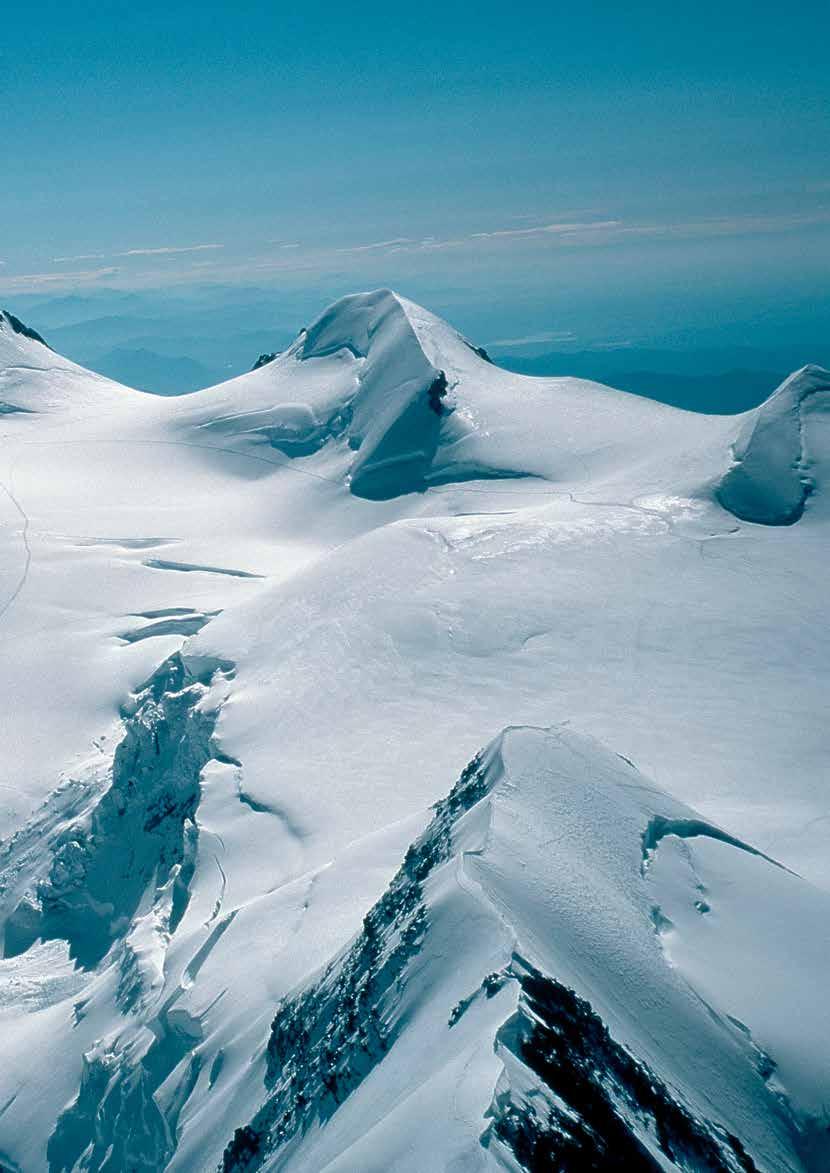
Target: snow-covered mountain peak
x=36, y=380
x=366, y=382
x=25, y=358
x=353, y=322
x=781, y=455
x=22, y=348
x=9, y=322
x=383, y=318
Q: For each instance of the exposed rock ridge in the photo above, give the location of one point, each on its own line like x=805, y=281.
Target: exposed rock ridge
x=583, y=1101
x=18, y=327
x=326, y=1039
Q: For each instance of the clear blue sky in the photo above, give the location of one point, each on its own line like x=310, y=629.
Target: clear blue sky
x=505, y=150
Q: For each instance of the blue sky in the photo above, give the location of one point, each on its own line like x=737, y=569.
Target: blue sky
x=637, y=155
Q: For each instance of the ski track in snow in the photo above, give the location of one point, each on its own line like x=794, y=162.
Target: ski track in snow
x=27, y=562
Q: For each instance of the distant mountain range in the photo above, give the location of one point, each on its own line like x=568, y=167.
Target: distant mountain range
x=162, y=374
x=717, y=380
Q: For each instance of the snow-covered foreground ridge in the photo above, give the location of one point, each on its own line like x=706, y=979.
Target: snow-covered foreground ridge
x=251, y=638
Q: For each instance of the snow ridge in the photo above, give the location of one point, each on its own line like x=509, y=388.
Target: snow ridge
x=569, y=1094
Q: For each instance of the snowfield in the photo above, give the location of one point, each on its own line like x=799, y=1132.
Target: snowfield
x=410, y=766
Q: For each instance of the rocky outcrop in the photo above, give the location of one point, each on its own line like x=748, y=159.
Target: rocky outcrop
x=326, y=1039
x=583, y=1101
x=17, y=327
x=264, y=359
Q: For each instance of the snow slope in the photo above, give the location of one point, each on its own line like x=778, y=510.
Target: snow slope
x=253, y=634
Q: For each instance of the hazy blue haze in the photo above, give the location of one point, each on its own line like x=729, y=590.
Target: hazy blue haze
x=593, y=175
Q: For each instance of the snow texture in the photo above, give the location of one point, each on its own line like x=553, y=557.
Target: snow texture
x=253, y=634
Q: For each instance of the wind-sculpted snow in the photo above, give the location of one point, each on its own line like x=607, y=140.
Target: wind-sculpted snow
x=401, y=412
x=782, y=449
x=250, y=637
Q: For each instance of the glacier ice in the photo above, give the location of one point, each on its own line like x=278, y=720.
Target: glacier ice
x=251, y=636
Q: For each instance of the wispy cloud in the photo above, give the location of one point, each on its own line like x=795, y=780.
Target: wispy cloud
x=290, y=259
x=563, y=229
x=530, y=339
x=382, y=246
x=80, y=257
x=587, y=233
x=169, y=250
x=717, y=226
x=163, y=251
x=567, y=232
x=566, y=229
x=21, y=282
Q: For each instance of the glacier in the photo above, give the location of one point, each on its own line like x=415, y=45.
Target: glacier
x=410, y=765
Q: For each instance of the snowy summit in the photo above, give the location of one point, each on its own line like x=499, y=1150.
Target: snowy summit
x=410, y=766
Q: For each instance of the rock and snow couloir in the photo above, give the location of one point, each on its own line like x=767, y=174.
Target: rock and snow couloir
x=253, y=634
